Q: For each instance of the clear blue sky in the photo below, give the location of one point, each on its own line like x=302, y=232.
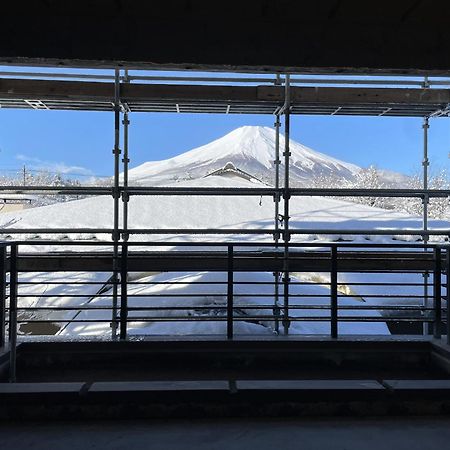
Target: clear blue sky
x=81, y=142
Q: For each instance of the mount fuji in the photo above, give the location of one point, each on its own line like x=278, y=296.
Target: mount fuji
x=251, y=149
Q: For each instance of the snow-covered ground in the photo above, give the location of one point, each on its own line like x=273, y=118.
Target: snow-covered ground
x=159, y=212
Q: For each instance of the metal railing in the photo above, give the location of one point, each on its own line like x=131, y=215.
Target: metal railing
x=135, y=305
x=275, y=79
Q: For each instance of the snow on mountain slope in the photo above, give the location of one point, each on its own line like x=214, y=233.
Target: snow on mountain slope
x=210, y=212
x=250, y=148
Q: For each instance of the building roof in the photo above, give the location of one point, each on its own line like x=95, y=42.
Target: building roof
x=230, y=169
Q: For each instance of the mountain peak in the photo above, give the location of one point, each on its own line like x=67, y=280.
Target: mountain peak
x=249, y=148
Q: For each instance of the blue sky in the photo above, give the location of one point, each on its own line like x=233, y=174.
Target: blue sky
x=81, y=143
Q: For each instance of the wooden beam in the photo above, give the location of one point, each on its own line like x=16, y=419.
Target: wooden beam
x=47, y=90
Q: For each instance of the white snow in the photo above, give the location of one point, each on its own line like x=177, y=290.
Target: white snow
x=209, y=295
x=158, y=212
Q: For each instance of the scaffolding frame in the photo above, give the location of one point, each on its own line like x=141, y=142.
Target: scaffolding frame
x=268, y=101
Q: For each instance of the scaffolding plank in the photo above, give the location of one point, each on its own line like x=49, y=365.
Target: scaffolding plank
x=195, y=98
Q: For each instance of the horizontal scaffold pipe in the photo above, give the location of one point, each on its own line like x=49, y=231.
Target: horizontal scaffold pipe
x=381, y=232
x=56, y=190
x=230, y=79
x=349, y=192
x=269, y=191
x=134, y=231
x=221, y=231
x=200, y=191
x=6, y=231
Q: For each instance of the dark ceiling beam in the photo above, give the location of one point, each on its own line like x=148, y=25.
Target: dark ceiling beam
x=330, y=36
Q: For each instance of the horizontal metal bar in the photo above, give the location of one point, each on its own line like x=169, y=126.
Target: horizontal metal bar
x=169, y=190
x=56, y=75
x=6, y=231
x=240, y=319
x=221, y=231
x=349, y=192
x=223, y=307
x=218, y=191
x=220, y=295
x=391, y=231
x=231, y=79
x=242, y=244
x=57, y=190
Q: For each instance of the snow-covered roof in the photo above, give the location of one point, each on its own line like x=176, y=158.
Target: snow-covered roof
x=17, y=197
x=230, y=169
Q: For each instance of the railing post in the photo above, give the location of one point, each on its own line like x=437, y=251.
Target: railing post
x=437, y=293
x=448, y=294
x=124, y=292
x=334, y=293
x=230, y=283
x=13, y=313
x=2, y=296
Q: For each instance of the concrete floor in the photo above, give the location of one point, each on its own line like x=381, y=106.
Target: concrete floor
x=336, y=434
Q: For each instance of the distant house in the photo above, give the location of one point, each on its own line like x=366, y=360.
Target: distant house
x=230, y=170
x=15, y=202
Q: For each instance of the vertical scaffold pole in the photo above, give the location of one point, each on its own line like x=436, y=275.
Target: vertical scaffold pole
x=276, y=274
x=425, y=200
x=125, y=160
x=116, y=198
x=286, y=196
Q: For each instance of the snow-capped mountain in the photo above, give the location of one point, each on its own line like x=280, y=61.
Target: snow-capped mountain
x=251, y=149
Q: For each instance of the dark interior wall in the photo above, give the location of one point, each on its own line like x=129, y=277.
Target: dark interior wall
x=300, y=35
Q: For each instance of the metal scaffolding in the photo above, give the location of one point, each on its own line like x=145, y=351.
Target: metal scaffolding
x=286, y=196
x=280, y=96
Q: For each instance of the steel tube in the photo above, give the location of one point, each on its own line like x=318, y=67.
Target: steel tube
x=277, y=162
x=334, y=292
x=124, y=292
x=230, y=295
x=286, y=196
x=169, y=190
x=425, y=200
x=437, y=283
x=229, y=79
x=425, y=164
x=125, y=160
x=116, y=197
x=447, y=283
x=220, y=231
x=2, y=296
x=13, y=279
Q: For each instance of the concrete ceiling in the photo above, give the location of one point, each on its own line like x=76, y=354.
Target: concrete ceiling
x=333, y=36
